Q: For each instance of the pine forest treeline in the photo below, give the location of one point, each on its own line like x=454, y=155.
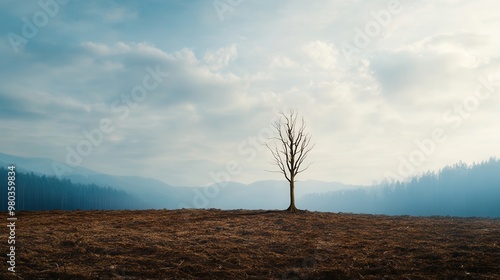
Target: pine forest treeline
x=457, y=190
x=40, y=192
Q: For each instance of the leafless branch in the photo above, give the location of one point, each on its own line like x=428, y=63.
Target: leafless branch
x=293, y=145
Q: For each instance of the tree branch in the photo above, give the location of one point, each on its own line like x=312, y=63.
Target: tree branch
x=294, y=145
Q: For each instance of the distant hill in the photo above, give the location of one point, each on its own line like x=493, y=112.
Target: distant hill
x=39, y=165
x=268, y=194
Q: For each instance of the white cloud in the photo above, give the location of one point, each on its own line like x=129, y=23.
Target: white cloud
x=322, y=54
x=219, y=59
x=281, y=61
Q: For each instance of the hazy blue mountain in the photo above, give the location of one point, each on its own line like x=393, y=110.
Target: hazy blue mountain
x=268, y=194
x=39, y=165
x=157, y=194
x=229, y=195
x=152, y=192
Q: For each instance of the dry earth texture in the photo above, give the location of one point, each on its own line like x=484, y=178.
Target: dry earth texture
x=214, y=244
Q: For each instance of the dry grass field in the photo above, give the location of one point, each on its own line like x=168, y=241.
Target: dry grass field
x=241, y=244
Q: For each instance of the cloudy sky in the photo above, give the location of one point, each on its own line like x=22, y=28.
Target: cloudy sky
x=387, y=88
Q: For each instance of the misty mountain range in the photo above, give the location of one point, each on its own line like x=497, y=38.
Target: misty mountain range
x=459, y=190
x=152, y=193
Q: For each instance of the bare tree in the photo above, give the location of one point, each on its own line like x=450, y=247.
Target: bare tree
x=291, y=150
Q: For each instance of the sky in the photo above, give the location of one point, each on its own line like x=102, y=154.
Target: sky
x=186, y=91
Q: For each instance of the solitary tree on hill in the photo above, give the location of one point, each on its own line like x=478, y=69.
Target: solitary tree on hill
x=290, y=151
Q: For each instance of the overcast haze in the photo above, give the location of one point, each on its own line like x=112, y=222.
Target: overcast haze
x=431, y=68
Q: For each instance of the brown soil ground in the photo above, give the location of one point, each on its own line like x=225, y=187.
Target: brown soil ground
x=214, y=244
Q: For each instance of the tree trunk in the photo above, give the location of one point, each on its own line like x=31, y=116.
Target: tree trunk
x=292, y=207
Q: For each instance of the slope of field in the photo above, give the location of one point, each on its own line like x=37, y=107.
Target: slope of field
x=214, y=244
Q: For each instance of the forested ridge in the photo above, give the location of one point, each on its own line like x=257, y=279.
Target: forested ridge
x=457, y=190
x=41, y=192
